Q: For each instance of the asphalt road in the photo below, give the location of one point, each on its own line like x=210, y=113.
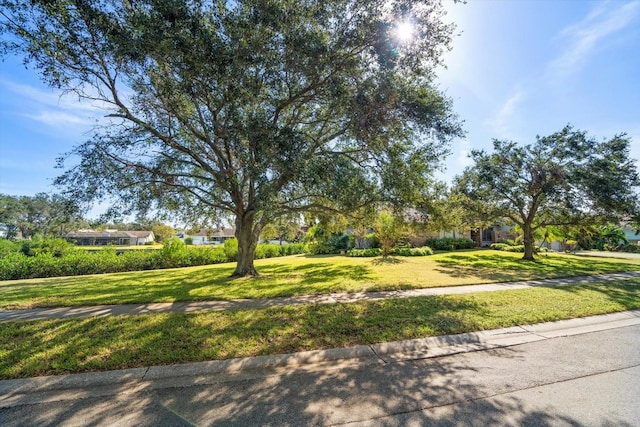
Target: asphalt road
x=591, y=379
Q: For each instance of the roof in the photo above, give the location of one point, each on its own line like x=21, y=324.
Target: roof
x=108, y=234
x=222, y=232
x=140, y=233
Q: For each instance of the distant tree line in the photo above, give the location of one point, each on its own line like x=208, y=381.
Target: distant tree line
x=53, y=215
x=49, y=215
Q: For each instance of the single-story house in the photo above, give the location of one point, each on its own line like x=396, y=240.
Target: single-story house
x=212, y=236
x=483, y=237
x=497, y=233
x=110, y=237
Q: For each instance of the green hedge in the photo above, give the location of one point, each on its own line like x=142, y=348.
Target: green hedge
x=506, y=247
x=423, y=251
x=16, y=265
x=365, y=253
x=374, y=252
x=450, y=243
x=630, y=247
x=7, y=247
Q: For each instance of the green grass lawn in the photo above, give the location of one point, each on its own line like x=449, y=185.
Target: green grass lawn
x=79, y=345
x=298, y=275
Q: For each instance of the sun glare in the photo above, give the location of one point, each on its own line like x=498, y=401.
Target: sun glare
x=404, y=31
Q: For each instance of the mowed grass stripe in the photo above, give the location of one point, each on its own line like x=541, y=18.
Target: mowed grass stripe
x=300, y=275
x=70, y=346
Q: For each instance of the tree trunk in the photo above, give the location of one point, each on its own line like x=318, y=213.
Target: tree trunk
x=529, y=242
x=247, y=243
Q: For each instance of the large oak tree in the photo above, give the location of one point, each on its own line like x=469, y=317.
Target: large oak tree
x=252, y=108
x=567, y=178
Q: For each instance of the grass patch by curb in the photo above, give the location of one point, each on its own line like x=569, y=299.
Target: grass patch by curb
x=79, y=345
x=299, y=275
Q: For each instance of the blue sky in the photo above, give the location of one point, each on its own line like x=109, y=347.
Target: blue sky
x=526, y=68
x=519, y=68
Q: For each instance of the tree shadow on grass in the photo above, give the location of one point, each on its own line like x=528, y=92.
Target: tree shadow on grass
x=389, y=260
x=315, y=274
x=625, y=293
x=77, y=345
x=280, y=278
x=464, y=389
x=496, y=267
x=197, y=284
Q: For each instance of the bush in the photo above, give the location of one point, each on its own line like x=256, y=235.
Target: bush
x=423, y=251
x=56, y=247
x=293, y=249
x=322, y=248
x=205, y=255
x=25, y=248
x=17, y=265
x=450, y=243
x=334, y=244
x=267, y=250
x=188, y=240
x=630, y=247
x=499, y=246
x=8, y=247
x=372, y=252
x=174, y=253
x=507, y=248
x=231, y=249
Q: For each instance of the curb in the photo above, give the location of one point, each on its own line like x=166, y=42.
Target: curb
x=74, y=386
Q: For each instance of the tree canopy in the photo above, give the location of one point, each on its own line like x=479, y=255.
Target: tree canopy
x=252, y=108
x=566, y=178
x=45, y=214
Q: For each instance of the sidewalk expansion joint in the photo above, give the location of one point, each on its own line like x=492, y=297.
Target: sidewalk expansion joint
x=373, y=350
x=145, y=373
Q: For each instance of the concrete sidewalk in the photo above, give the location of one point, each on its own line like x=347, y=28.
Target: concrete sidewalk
x=607, y=254
x=220, y=305
x=80, y=386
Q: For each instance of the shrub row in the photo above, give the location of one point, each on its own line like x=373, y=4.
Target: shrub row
x=505, y=247
x=333, y=245
x=423, y=251
x=374, y=252
x=174, y=253
x=8, y=247
x=365, y=253
x=450, y=243
x=630, y=247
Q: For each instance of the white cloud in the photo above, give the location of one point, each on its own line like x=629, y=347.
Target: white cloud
x=462, y=151
x=589, y=34
x=60, y=119
x=456, y=163
x=54, y=111
x=502, y=122
x=51, y=98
